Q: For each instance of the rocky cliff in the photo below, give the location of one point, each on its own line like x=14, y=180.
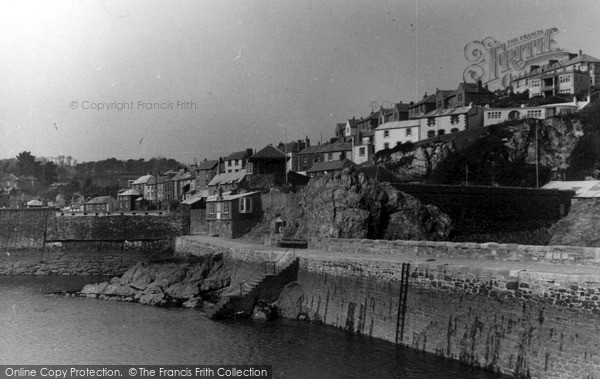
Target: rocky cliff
x=580, y=226
x=504, y=155
x=350, y=205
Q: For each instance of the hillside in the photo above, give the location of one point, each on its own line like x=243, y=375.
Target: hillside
x=505, y=155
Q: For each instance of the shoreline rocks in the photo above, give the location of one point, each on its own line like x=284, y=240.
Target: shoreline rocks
x=178, y=282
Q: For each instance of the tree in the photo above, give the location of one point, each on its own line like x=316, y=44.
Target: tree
x=27, y=165
x=50, y=173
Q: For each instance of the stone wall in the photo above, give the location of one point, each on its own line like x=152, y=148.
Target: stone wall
x=543, y=322
x=117, y=227
x=31, y=228
x=467, y=250
x=83, y=258
x=23, y=228
x=514, y=322
x=500, y=214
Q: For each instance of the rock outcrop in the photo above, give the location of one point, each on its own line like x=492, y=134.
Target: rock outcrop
x=416, y=162
x=171, y=283
x=503, y=154
x=580, y=226
x=350, y=205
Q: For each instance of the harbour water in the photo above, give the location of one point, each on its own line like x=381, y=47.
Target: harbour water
x=37, y=328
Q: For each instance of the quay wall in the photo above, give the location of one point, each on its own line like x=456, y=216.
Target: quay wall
x=83, y=257
x=543, y=322
x=33, y=228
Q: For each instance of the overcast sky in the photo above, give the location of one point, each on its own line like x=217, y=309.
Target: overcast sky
x=256, y=72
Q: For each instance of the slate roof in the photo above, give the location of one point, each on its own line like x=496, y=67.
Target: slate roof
x=473, y=88
x=102, y=200
x=228, y=178
x=331, y=166
x=447, y=111
x=230, y=197
x=428, y=99
x=130, y=192
x=327, y=148
x=143, y=179
x=202, y=194
x=269, y=152
x=207, y=165
x=400, y=124
x=236, y=155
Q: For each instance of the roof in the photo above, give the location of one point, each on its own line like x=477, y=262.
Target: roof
x=269, y=152
x=236, y=155
x=202, y=194
x=474, y=88
x=228, y=178
x=101, y=200
x=143, y=179
x=331, y=166
x=207, y=165
x=372, y=116
x=328, y=148
x=352, y=121
x=130, y=192
x=227, y=197
x=583, y=189
x=403, y=107
x=447, y=111
x=445, y=92
x=399, y=124
x=428, y=99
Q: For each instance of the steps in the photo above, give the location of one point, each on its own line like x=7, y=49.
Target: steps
x=241, y=299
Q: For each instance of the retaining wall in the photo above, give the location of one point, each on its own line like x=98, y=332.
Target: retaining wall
x=543, y=322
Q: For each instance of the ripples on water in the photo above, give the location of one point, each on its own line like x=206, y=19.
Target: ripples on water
x=41, y=329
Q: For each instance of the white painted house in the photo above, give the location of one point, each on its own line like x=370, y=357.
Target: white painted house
x=392, y=133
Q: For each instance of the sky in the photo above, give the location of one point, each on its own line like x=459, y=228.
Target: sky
x=190, y=80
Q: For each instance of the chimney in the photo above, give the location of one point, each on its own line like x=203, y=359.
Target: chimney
x=425, y=96
x=580, y=53
x=307, y=141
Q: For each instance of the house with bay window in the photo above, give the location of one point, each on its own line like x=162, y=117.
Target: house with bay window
x=233, y=215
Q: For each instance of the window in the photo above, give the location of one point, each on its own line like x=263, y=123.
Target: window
x=210, y=210
x=386, y=134
x=494, y=115
x=386, y=145
x=565, y=79
x=534, y=114
x=460, y=97
x=441, y=132
x=431, y=121
x=330, y=156
x=245, y=205
x=430, y=133
x=408, y=131
x=361, y=152
x=229, y=163
x=453, y=130
x=454, y=119
x=227, y=209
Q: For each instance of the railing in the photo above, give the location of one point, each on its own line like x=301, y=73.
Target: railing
x=266, y=267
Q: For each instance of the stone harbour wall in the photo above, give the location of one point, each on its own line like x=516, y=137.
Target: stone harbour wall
x=539, y=322
x=519, y=323
x=467, y=250
x=82, y=258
